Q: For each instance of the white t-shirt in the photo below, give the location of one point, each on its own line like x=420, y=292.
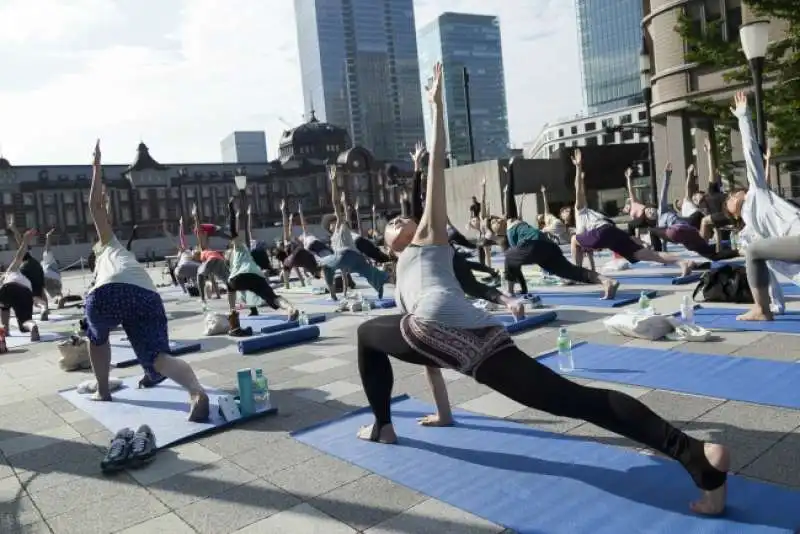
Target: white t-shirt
x=588, y=219
x=688, y=208
x=50, y=266
x=342, y=238
x=15, y=277
x=117, y=265
x=308, y=239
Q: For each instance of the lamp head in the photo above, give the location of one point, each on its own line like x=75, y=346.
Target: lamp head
x=755, y=39
x=241, y=181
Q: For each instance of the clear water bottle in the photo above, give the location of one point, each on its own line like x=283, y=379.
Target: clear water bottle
x=260, y=392
x=687, y=310
x=302, y=319
x=564, y=344
x=644, y=303
x=366, y=306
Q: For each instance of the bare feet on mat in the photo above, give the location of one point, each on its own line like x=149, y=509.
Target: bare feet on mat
x=755, y=314
x=686, y=267
x=199, y=408
x=713, y=502
x=517, y=309
x=96, y=396
x=610, y=287
x=435, y=420
x=386, y=435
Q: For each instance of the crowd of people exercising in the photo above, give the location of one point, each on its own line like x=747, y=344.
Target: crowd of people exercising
x=430, y=262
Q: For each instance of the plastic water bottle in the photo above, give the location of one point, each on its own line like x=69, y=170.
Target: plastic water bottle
x=260, y=393
x=366, y=306
x=734, y=240
x=644, y=303
x=687, y=310
x=302, y=319
x=564, y=344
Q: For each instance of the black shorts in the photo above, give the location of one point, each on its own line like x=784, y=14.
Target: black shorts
x=18, y=298
x=720, y=220
x=33, y=271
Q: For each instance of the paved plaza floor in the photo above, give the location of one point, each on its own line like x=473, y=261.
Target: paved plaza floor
x=255, y=478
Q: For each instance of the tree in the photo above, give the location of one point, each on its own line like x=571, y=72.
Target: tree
x=781, y=70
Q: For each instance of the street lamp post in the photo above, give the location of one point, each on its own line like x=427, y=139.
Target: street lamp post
x=468, y=109
x=755, y=39
x=647, y=94
x=240, y=179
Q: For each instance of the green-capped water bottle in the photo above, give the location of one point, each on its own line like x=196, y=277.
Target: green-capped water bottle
x=565, y=362
x=259, y=387
x=644, y=301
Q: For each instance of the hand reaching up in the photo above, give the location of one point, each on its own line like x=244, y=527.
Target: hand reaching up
x=577, y=157
x=97, y=154
x=739, y=107
x=435, y=89
x=418, y=155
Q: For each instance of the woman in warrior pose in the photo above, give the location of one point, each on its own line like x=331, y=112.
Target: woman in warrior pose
x=345, y=255
x=680, y=230
x=124, y=294
x=552, y=225
x=595, y=231
x=188, y=260
x=213, y=267
x=52, y=274
x=771, y=231
x=439, y=328
x=33, y=271
x=362, y=243
x=299, y=259
x=16, y=291
x=690, y=205
x=643, y=217
x=246, y=275
x=529, y=246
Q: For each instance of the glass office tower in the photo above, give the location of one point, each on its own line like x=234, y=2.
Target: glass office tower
x=358, y=60
x=472, y=42
x=610, y=38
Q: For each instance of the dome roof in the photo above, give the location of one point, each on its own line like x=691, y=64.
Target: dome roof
x=4, y=163
x=144, y=161
x=314, y=132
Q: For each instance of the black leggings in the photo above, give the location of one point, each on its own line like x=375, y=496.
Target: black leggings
x=261, y=258
x=368, y=249
x=471, y=286
x=521, y=378
x=457, y=238
x=257, y=285
x=303, y=259
x=548, y=256
x=20, y=299
x=636, y=224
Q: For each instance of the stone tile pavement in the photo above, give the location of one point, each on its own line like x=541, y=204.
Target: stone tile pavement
x=254, y=478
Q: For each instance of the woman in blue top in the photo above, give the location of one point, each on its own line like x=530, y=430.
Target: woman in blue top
x=439, y=328
x=124, y=294
x=530, y=246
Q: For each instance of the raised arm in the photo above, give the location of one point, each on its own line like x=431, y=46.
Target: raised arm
x=97, y=207
x=346, y=212
x=713, y=177
x=767, y=168
x=663, y=196
x=418, y=157
x=202, y=239
x=302, y=219
x=374, y=222
x=358, y=219
x=47, y=237
x=405, y=209
x=12, y=229
x=285, y=222
x=629, y=184
x=233, y=227
x=432, y=228
x=752, y=152
x=132, y=238
x=249, y=221
x=484, y=207
x=690, y=185
x=24, y=243
x=544, y=201
x=335, y=199
x=580, y=191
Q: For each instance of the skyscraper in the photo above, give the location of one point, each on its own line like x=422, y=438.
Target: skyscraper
x=469, y=47
x=244, y=147
x=610, y=38
x=359, y=69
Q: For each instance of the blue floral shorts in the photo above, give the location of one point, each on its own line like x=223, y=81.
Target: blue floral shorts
x=141, y=314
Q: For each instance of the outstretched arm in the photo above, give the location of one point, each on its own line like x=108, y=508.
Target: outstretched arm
x=233, y=226
x=768, y=169
x=249, y=223
x=24, y=243
x=580, y=192
x=663, y=197
x=752, y=152
x=544, y=201
x=690, y=186
x=335, y=199
x=132, y=238
x=302, y=219
x=285, y=222
x=432, y=228
x=629, y=183
x=47, y=238
x=418, y=156
x=97, y=207
x=358, y=219
x=713, y=177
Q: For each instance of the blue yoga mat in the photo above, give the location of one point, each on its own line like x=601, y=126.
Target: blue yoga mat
x=753, y=380
x=281, y=325
x=536, y=482
x=378, y=304
x=593, y=299
x=662, y=279
x=529, y=322
x=164, y=408
x=277, y=340
x=122, y=354
x=725, y=319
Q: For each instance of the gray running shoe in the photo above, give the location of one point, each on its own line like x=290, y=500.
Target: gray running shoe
x=143, y=447
x=118, y=452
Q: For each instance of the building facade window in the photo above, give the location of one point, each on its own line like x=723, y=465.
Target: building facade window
x=590, y=126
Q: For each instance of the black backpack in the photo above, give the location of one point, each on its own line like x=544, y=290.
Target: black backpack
x=727, y=283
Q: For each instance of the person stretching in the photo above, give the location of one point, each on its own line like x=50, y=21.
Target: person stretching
x=345, y=256
x=693, y=199
x=679, y=230
x=246, y=275
x=554, y=226
x=124, y=294
x=362, y=243
x=529, y=246
x=52, y=275
x=772, y=228
x=596, y=232
x=33, y=271
x=213, y=268
x=438, y=328
x=188, y=263
x=643, y=217
x=16, y=291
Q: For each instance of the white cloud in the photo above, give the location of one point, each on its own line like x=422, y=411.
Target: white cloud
x=222, y=65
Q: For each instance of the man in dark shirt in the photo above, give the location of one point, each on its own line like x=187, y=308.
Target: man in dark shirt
x=475, y=208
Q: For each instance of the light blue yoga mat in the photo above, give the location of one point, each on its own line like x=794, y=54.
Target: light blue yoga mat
x=164, y=408
x=753, y=380
x=725, y=319
x=661, y=279
x=536, y=482
x=593, y=299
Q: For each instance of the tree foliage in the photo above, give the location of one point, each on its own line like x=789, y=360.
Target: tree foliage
x=781, y=70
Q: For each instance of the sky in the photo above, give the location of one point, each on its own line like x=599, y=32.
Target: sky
x=182, y=74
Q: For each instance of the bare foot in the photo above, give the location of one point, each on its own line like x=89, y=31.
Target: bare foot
x=517, y=309
x=96, y=396
x=435, y=420
x=610, y=285
x=713, y=502
x=755, y=314
x=199, y=408
x=686, y=267
x=386, y=435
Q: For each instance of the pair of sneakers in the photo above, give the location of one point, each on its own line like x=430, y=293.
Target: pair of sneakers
x=129, y=450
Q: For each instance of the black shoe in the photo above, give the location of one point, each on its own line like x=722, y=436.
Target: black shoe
x=241, y=332
x=143, y=447
x=253, y=312
x=149, y=382
x=119, y=450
